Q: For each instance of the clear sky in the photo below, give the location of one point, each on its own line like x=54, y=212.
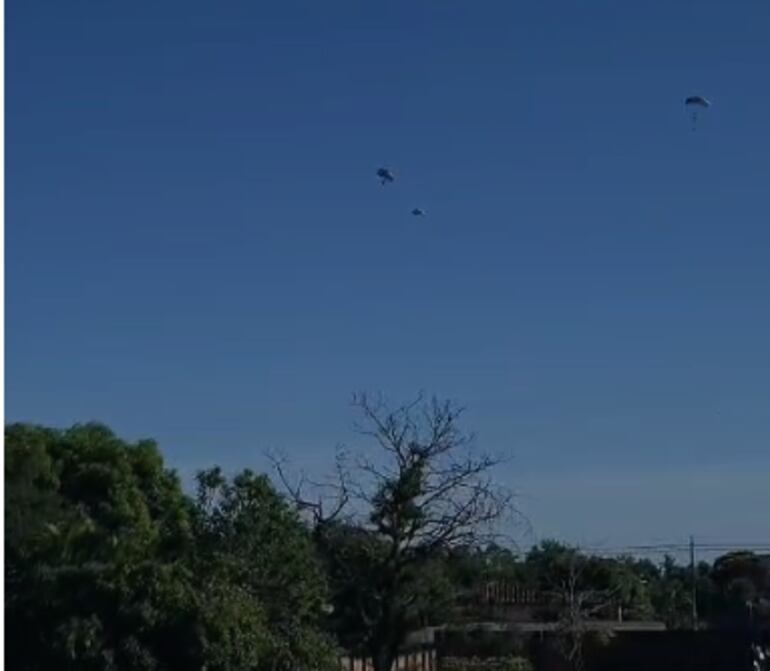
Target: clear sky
x=198, y=249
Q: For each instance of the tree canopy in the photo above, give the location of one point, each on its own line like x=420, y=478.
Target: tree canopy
x=111, y=566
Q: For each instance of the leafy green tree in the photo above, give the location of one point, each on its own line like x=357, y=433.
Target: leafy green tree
x=110, y=565
x=630, y=585
x=548, y=564
x=741, y=587
x=741, y=576
x=671, y=595
x=248, y=536
x=96, y=529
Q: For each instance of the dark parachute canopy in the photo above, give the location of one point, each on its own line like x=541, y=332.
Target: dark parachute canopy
x=698, y=101
x=418, y=212
x=694, y=104
x=386, y=175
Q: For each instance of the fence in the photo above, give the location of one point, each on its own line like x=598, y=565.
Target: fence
x=422, y=658
x=505, y=593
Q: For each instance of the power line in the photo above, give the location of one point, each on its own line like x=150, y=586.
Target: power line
x=658, y=548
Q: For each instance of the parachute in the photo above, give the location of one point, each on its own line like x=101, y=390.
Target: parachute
x=385, y=175
x=694, y=104
x=697, y=100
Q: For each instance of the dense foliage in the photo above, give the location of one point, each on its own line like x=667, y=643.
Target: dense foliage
x=731, y=592
x=110, y=565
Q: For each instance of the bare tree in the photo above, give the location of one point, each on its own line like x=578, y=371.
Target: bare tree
x=324, y=501
x=434, y=490
x=427, y=490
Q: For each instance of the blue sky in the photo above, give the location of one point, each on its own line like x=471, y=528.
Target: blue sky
x=198, y=249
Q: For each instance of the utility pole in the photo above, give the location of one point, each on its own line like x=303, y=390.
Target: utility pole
x=694, y=577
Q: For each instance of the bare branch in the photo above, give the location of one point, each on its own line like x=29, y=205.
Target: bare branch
x=336, y=492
